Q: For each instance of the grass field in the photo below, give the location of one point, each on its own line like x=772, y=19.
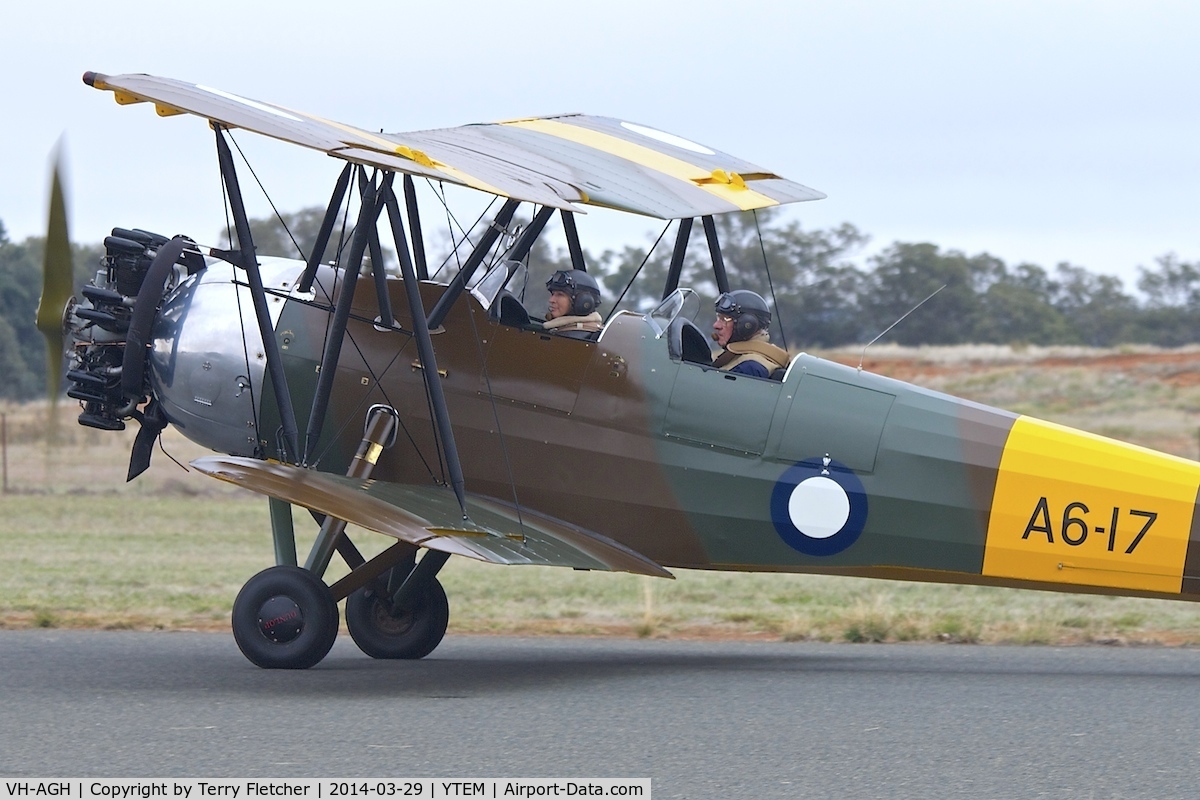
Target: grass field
x=170, y=550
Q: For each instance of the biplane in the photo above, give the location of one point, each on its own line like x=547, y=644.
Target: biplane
x=438, y=413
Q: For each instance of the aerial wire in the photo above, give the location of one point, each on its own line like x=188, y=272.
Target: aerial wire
x=863, y=356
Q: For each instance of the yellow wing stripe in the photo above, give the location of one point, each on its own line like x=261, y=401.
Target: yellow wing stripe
x=1076, y=508
x=732, y=190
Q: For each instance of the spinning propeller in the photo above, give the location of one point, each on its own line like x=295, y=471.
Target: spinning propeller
x=57, y=280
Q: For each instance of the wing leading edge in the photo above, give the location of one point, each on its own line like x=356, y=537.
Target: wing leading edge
x=430, y=517
x=563, y=162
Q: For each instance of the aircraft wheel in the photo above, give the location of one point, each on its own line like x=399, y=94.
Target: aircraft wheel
x=285, y=618
x=410, y=632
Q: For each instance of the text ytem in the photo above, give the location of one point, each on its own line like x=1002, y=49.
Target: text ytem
x=1074, y=526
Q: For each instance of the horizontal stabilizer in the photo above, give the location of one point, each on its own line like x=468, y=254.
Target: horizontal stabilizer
x=429, y=516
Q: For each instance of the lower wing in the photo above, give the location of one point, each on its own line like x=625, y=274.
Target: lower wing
x=429, y=516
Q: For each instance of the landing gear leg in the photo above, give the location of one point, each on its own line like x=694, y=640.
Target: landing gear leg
x=285, y=618
x=408, y=624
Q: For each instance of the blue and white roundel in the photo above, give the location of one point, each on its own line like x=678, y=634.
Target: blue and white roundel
x=819, y=507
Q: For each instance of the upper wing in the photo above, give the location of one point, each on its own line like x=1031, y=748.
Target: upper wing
x=558, y=161
x=430, y=517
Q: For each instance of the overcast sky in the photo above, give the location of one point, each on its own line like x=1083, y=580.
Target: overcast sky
x=1039, y=131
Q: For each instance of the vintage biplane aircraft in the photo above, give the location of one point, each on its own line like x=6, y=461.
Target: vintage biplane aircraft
x=485, y=436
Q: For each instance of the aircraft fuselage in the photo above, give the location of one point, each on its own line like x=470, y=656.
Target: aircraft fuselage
x=830, y=470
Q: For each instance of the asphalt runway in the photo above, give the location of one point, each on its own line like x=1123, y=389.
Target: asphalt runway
x=702, y=719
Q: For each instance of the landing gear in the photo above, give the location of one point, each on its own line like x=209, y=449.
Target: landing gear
x=412, y=631
x=285, y=618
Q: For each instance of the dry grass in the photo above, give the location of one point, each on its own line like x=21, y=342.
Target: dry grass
x=178, y=561
x=1143, y=394
x=170, y=550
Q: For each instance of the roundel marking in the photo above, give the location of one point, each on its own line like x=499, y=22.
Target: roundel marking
x=819, y=507
x=667, y=138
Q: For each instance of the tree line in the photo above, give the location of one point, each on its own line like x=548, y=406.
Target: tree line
x=822, y=298
x=820, y=295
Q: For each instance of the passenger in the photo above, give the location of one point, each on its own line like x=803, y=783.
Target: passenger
x=741, y=329
x=574, y=298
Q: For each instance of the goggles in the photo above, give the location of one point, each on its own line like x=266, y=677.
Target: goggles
x=726, y=306
x=562, y=282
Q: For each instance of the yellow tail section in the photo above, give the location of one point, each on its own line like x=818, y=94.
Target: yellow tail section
x=1075, y=508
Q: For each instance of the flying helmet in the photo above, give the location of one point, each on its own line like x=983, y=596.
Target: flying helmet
x=748, y=310
x=580, y=287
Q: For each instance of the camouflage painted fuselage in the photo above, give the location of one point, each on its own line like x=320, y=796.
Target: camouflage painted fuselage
x=832, y=470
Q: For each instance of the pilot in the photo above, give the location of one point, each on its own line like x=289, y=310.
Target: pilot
x=741, y=329
x=571, y=310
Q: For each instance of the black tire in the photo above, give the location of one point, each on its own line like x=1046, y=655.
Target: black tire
x=285, y=618
x=411, y=632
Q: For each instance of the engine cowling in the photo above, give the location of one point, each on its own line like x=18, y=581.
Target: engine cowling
x=207, y=363
x=198, y=360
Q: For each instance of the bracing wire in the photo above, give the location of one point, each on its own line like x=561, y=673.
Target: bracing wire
x=241, y=319
x=271, y=202
x=512, y=481
x=770, y=284
x=377, y=377
x=451, y=223
x=343, y=237
x=338, y=260
x=637, y=272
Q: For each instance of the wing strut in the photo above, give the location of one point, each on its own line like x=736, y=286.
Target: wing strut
x=528, y=237
x=442, y=308
x=368, y=213
x=681, y=242
x=378, y=272
x=714, y=249
x=433, y=380
x=249, y=262
x=414, y=225
x=322, y=242
x=573, y=245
